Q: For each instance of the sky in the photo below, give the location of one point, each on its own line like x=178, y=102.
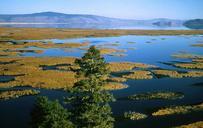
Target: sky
x=128, y=9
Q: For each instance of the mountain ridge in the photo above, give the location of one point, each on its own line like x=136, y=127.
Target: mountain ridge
x=49, y=13
x=80, y=20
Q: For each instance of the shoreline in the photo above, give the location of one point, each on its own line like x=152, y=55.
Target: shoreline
x=62, y=33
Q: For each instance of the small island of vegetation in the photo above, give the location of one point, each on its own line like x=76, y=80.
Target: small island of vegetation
x=12, y=94
x=157, y=96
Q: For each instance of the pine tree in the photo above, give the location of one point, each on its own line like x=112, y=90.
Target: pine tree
x=90, y=103
x=49, y=114
x=93, y=64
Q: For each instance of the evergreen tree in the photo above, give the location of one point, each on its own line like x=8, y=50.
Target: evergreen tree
x=49, y=114
x=90, y=108
x=93, y=64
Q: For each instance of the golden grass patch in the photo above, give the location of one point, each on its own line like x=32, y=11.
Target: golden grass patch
x=178, y=110
x=175, y=74
x=6, y=53
x=190, y=65
x=30, y=73
x=47, y=79
x=187, y=56
x=17, y=48
x=117, y=79
x=138, y=75
x=53, y=33
x=25, y=50
x=195, y=64
x=134, y=115
x=122, y=66
x=198, y=124
x=11, y=94
x=19, y=45
x=110, y=50
x=197, y=45
x=157, y=95
x=114, y=86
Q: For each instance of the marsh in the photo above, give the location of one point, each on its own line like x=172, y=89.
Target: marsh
x=158, y=66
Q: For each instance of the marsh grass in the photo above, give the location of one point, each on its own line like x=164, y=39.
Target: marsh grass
x=12, y=94
x=114, y=86
x=125, y=66
x=176, y=74
x=197, y=45
x=139, y=74
x=157, y=95
x=178, y=110
x=134, y=115
x=187, y=56
x=29, y=71
x=19, y=45
x=198, y=124
x=31, y=74
x=195, y=64
x=17, y=48
x=51, y=33
x=6, y=53
x=25, y=50
x=110, y=50
x=117, y=79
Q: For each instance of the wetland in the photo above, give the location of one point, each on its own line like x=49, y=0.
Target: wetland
x=156, y=84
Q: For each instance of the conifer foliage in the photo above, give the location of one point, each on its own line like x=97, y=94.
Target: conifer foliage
x=90, y=103
x=49, y=114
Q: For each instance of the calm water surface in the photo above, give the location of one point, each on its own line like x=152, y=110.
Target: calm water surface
x=146, y=49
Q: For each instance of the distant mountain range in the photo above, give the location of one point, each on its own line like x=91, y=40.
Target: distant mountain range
x=83, y=21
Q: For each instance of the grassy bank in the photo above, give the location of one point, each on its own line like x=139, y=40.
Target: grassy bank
x=49, y=33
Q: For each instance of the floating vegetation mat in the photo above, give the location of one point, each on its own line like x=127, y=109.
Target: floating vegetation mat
x=114, y=86
x=178, y=110
x=13, y=48
x=12, y=94
x=138, y=75
x=157, y=96
x=110, y=51
x=125, y=66
x=198, y=124
x=197, y=45
x=29, y=71
x=176, y=74
x=117, y=79
x=187, y=56
x=195, y=64
x=134, y=115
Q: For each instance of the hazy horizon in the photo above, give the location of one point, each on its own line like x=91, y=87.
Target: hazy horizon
x=95, y=15
x=128, y=9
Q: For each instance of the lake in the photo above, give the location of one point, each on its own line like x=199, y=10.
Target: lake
x=154, y=50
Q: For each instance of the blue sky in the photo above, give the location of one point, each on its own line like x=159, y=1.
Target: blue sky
x=131, y=9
